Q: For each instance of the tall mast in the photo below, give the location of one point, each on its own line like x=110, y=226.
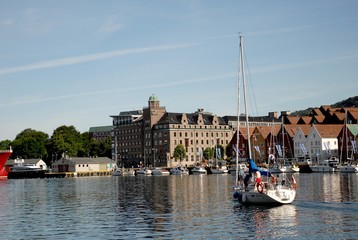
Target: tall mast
x=238, y=118
x=244, y=87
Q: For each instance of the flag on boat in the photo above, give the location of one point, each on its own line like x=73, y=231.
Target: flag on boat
x=237, y=151
x=279, y=150
x=354, y=146
x=218, y=153
x=326, y=146
x=257, y=148
x=303, y=148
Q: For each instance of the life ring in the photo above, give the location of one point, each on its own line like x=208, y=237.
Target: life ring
x=260, y=188
x=272, y=157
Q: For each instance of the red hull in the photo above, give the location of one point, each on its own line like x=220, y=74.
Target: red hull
x=4, y=155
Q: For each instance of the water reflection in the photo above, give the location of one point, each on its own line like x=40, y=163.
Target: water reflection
x=173, y=207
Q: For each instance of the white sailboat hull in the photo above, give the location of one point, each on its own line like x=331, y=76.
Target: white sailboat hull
x=278, y=196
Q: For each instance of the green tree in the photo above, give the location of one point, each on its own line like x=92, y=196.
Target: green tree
x=179, y=152
x=228, y=151
x=208, y=153
x=66, y=140
x=30, y=144
x=106, y=147
x=5, y=144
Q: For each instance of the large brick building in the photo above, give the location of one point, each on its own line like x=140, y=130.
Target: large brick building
x=149, y=136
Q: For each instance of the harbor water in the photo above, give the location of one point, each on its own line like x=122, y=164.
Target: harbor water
x=174, y=207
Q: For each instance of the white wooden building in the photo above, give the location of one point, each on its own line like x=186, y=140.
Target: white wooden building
x=83, y=164
x=320, y=143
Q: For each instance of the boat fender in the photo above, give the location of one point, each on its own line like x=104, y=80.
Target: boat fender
x=294, y=183
x=260, y=188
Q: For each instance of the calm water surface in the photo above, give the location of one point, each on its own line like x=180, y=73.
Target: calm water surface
x=173, y=207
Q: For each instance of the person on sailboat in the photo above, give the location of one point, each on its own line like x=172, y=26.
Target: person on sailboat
x=258, y=180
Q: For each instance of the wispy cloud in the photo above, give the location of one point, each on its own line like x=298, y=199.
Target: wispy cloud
x=116, y=90
x=89, y=58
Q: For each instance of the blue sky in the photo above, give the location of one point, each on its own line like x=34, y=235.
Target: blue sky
x=78, y=62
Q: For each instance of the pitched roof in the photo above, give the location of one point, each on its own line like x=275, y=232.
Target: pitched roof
x=318, y=119
x=175, y=118
x=328, y=130
x=243, y=131
x=305, y=120
x=101, y=129
x=88, y=160
x=264, y=130
x=291, y=130
x=292, y=119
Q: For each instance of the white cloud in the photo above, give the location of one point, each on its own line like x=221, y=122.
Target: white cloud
x=89, y=58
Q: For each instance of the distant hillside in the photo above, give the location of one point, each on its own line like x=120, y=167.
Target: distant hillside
x=349, y=102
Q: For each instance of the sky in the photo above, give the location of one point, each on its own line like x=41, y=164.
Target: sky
x=76, y=63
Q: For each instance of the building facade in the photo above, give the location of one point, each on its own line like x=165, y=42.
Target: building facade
x=149, y=137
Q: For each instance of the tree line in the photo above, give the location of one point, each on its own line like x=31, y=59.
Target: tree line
x=65, y=140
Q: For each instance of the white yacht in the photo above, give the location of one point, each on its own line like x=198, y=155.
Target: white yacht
x=179, y=170
x=160, y=172
x=349, y=168
x=144, y=171
x=327, y=165
x=198, y=170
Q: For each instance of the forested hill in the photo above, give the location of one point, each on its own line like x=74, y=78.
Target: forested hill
x=349, y=102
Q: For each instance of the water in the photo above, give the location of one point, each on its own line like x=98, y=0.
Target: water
x=173, y=207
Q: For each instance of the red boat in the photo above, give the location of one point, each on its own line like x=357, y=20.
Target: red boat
x=4, y=155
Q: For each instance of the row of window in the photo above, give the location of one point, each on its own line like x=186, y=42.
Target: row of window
x=202, y=134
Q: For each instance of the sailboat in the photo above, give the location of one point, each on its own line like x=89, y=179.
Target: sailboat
x=350, y=166
x=271, y=191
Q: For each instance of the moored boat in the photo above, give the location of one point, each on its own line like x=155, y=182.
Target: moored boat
x=198, y=170
x=158, y=171
x=25, y=170
x=4, y=156
x=179, y=170
x=349, y=168
x=144, y=171
x=327, y=165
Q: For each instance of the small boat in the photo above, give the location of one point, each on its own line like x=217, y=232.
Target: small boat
x=117, y=172
x=198, y=170
x=220, y=170
x=277, y=168
x=25, y=170
x=179, y=170
x=292, y=168
x=327, y=165
x=128, y=172
x=160, y=172
x=349, y=168
x=269, y=192
x=304, y=164
x=144, y=171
